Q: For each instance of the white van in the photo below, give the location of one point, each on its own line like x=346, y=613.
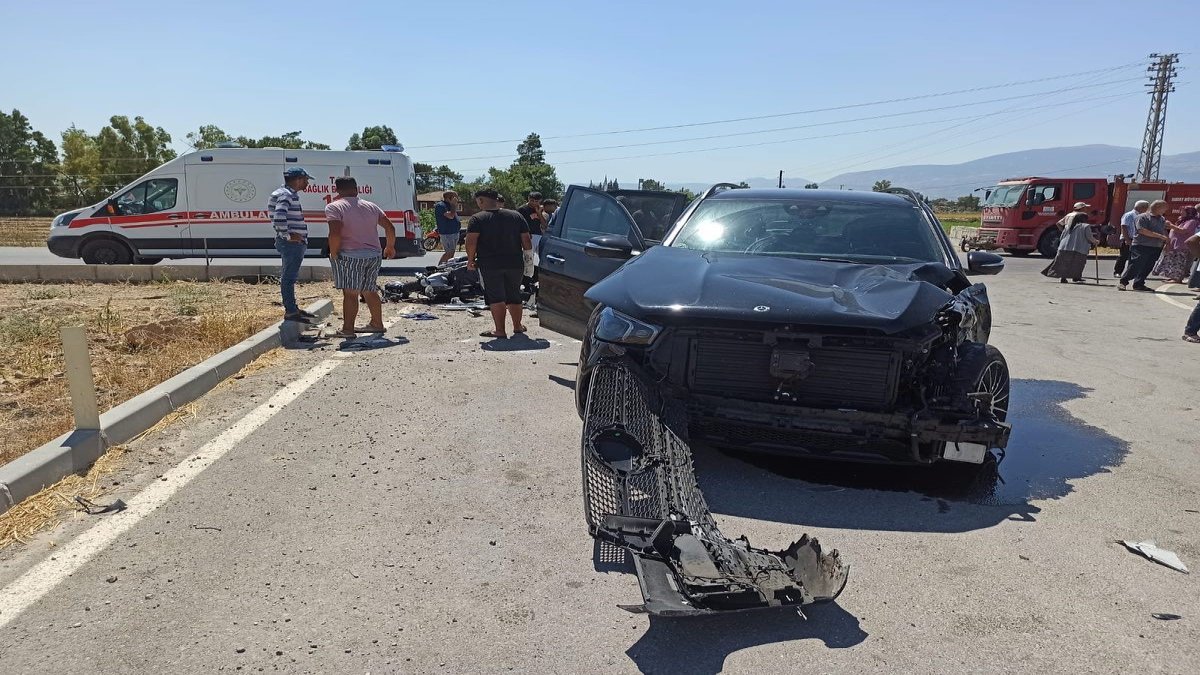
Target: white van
x=212, y=203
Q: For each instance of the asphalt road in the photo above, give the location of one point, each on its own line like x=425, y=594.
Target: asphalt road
x=417, y=508
x=30, y=255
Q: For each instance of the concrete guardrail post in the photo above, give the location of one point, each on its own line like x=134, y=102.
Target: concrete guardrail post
x=79, y=378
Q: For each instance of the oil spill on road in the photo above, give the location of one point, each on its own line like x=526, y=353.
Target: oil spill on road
x=1048, y=450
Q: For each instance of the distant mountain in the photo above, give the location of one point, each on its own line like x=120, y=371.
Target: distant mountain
x=955, y=180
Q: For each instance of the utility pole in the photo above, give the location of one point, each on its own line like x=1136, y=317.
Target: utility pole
x=1162, y=74
x=781, y=178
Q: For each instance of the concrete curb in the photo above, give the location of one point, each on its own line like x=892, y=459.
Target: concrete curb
x=75, y=451
x=146, y=273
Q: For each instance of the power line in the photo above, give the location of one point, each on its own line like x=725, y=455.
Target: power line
x=804, y=126
x=797, y=112
x=1088, y=107
x=873, y=155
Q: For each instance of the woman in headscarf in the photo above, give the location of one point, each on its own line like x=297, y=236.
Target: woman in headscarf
x=1175, y=264
x=1074, y=243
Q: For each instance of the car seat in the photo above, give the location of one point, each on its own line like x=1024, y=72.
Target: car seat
x=886, y=235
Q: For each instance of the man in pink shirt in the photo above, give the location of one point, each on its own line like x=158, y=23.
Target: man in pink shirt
x=355, y=254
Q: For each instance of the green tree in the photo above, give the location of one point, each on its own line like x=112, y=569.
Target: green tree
x=430, y=178
x=530, y=152
x=687, y=194
x=373, y=138
x=289, y=141
x=651, y=184
x=96, y=166
x=613, y=185
x=27, y=168
x=811, y=186
x=743, y=184
x=881, y=185
x=967, y=203
x=208, y=136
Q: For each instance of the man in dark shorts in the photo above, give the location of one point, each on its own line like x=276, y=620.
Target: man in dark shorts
x=535, y=219
x=496, y=240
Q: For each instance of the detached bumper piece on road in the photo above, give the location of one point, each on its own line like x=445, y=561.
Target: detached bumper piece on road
x=640, y=494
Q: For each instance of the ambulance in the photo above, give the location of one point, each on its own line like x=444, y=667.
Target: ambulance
x=213, y=204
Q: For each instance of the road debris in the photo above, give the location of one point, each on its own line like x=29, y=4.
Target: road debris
x=419, y=316
x=640, y=494
x=93, y=509
x=1161, y=616
x=1158, y=555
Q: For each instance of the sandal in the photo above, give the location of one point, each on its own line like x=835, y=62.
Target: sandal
x=1194, y=339
x=520, y=329
x=370, y=329
x=343, y=335
x=493, y=334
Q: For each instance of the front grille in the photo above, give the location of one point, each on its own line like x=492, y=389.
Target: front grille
x=863, y=379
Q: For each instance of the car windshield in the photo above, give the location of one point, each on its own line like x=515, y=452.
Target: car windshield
x=1004, y=195
x=842, y=231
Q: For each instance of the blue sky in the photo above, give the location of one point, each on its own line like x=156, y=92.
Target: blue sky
x=460, y=72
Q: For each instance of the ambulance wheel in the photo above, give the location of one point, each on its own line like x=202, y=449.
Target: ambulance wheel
x=106, y=252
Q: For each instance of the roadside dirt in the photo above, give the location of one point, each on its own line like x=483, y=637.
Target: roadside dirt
x=139, y=335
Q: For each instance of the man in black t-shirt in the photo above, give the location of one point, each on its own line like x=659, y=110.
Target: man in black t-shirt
x=532, y=213
x=496, y=241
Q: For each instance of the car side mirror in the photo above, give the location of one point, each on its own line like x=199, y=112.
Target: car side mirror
x=609, y=246
x=983, y=262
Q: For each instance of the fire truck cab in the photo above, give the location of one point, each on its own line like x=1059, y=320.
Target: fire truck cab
x=1020, y=215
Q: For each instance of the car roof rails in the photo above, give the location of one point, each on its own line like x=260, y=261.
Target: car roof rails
x=911, y=195
x=719, y=187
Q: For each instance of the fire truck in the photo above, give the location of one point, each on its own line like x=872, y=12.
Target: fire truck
x=1020, y=215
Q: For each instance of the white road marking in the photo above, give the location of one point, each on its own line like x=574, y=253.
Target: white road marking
x=37, y=582
x=1168, y=299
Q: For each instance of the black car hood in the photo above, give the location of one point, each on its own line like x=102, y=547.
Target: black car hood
x=677, y=285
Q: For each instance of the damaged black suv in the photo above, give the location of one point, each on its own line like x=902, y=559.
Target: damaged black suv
x=837, y=324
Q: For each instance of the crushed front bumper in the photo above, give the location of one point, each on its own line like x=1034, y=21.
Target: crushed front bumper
x=640, y=494
x=847, y=434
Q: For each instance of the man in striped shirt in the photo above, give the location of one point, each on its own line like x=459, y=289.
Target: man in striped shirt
x=291, y=237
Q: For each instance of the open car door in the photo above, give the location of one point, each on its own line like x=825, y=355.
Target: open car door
x=587, y=219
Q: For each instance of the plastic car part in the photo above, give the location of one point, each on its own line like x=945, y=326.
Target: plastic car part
x=640, y=494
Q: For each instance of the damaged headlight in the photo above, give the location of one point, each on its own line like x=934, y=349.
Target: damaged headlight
x=613, y=326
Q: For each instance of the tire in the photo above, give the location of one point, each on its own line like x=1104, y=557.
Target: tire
x=147, y=261
x=1048, y=244
x=430, y=244
x=982, y=369
x=1018, y=252
x=105, y=252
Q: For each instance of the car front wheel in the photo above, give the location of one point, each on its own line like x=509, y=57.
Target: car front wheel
x=105, y=252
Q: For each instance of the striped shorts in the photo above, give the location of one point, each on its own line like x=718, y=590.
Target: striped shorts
x=353, y=273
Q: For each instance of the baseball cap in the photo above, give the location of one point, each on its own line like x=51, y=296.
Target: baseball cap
x=1081, y=205
x=296, y=172
x=488, y=193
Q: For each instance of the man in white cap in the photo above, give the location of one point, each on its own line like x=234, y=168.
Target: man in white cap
x=1128, y=232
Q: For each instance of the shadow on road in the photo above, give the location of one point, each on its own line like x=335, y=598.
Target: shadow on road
x=568, y=382
x=516, y=343
x=701, y=644
x=1049, y=449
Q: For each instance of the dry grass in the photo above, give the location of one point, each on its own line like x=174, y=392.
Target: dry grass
x=53, y=504
x=34, y=405
x=956, y=218
x=24, y=231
